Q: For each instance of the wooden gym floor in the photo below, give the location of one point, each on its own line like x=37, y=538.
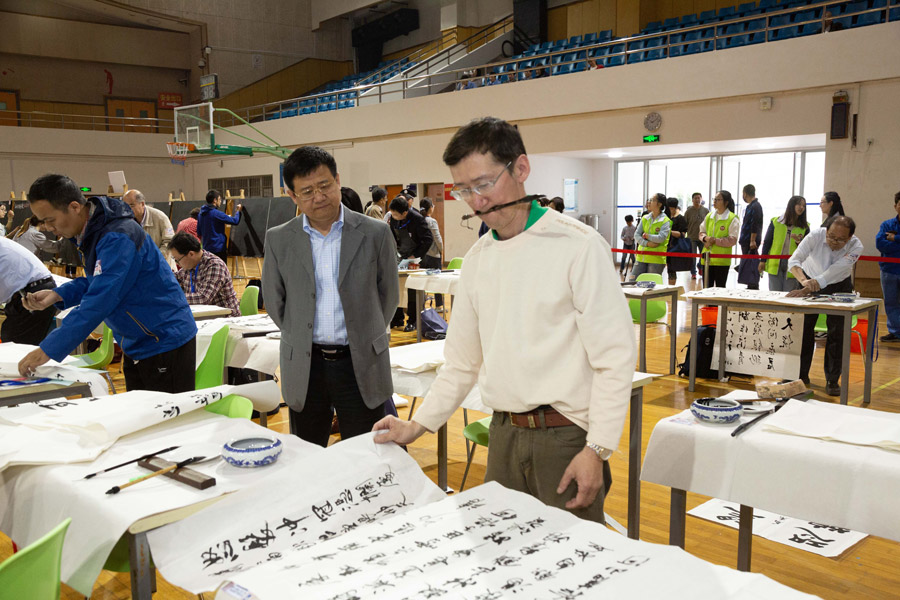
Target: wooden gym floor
x=871, y=569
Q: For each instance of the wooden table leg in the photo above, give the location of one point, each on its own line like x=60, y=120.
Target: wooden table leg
x=745, y=538
x=677, y=516
x=634, y=463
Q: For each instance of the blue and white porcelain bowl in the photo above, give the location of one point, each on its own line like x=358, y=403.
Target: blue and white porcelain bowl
x=252, y=452
x=717, y=410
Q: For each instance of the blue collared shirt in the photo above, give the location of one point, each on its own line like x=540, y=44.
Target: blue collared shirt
x=329, y=327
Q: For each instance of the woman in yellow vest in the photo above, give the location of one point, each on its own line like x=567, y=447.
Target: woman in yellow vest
x=719, y=235
x=652, y=234
x=782, y=237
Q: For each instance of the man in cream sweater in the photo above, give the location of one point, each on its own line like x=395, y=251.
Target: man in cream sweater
x=540, y=313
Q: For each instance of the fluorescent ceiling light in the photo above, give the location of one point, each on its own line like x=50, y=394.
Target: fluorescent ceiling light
x=615, y=154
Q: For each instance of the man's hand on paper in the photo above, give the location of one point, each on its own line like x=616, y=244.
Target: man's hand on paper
x=32, y=361
x=586, y=470
x=397, y=430
x=799, y=293
x=40, y=300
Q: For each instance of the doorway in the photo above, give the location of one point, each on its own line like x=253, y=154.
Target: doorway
x=131, y=115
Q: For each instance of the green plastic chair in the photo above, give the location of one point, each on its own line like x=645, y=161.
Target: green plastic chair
x=232, y=406
x=656, y=309
x=250, y=301
x=455, y=263
x=100, y=358
x=479, y=434
x=34, y=572
x=822, y=327
x=211, y=370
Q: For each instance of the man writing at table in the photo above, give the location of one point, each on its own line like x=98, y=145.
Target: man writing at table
x=822, y=263
x=541, y=315
x=128, y=285
x=330, y=284
x=203, y=277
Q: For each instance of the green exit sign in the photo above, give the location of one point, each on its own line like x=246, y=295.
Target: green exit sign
x=85, y=189
x=649, y=139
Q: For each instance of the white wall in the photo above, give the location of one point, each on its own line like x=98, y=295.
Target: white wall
x=709, y=97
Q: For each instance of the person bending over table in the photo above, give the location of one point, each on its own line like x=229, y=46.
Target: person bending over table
x=23, y=273
x=330, y=284
x=203, y=277
x=414, y=239
x=540, y=313
x=822, y=263
x=127, y=284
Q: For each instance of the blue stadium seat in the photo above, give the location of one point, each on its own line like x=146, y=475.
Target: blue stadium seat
x=616, y=48
x=504, y=78
x=636, y=57
x=768, y=4
x=605, y=35
x=614, y=61
x=756, y=25
x=556, y=59
x=708, y=16
x=878, y=4
x=783, y=33
x=575, y=40
x=601, y=51
x=855, y=7
x=670, y=23
x=691, y=36
x=846, y=22
x=581, y=55
x=589, y=38
x=559, y=44
x=707, y=33
x=578, y=67
x=895, y=14
x=779, y=20
x=688, y=20
x=636, y=45
x=676, y=50
x=872, y=18
x=806, y=15
x=654, y=42
x=653, y=26
x=810, y=29
x=655, y=54
x=546, y=45
x=732, y=29
x=744, y=8
x=726, y=12
x=676, y=38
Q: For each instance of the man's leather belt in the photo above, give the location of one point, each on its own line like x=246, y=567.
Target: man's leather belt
x=532, y=419
x=332, y=352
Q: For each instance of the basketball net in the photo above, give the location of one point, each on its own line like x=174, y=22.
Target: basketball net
x=178, y=151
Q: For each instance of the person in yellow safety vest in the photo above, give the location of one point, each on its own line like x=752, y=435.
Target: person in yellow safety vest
x=778, y=241
x=719, y=235
x=652, y=234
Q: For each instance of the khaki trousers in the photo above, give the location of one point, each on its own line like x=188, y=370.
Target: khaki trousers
x=533, y=461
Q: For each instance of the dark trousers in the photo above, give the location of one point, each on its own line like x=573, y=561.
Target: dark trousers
x=332, y=388
x=718, y=276
x=171, y=372
x=697, y=245
x=433, y=262
x=626, y=257
x=834, y=343
x=24, y=327
x=753, y=264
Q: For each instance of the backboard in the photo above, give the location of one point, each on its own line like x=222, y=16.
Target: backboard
x=194, y=125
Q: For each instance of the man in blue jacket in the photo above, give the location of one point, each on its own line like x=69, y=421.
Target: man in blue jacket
x=211, y=225
x=887, y=243
x=127, y=284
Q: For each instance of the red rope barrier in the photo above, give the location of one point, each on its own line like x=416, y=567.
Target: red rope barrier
x=884, y=259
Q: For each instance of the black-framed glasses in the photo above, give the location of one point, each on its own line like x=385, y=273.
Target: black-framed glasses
x=480, y=189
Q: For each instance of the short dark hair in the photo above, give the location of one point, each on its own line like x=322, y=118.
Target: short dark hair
x=629, y=219
x=211, y=196
x=305, y=160
x=837, y=207
x=896, y=198
x=195, y=212
x=485, y=135
x=673, y=203
x=399, y=204
x=184, y=243
x=58, y=190
x=750, y=189
x=379, y=194
x=841, y=221
x=557, y=204
x=696, y=194
x=425, y=205
x=34, y=221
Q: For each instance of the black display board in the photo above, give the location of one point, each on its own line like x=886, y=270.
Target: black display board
x=181, y=210
x=22, y=212
x=164, y=207
x=281, y=210
x=248, y=237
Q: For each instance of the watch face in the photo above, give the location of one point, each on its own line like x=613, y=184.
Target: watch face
x=653, y=121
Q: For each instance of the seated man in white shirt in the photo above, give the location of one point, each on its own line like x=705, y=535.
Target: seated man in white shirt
x=822, y=263
x=22, y=272
x=540, y=308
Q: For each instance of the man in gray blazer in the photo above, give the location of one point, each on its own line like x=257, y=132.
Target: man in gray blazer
x=330, y=284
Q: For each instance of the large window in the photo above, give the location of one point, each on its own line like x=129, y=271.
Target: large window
x=776, y=175
x=254, y=186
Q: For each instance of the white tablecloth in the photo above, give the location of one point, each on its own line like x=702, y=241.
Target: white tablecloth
x=827, y=482
x=445, y=283
x=414, y=368
x=257, y=353
x=35, y=499
x=11, y=353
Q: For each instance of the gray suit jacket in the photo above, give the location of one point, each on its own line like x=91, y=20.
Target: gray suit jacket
x=369, y=291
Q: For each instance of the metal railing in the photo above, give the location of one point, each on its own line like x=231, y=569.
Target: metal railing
x=712, y=35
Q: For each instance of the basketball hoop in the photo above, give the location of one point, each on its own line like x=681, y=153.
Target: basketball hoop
x=178, y=151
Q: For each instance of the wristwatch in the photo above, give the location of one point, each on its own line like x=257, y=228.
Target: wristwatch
x=601, y=452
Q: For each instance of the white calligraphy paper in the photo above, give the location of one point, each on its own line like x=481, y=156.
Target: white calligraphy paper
x=339, y=490
x=822, y=421
x=490, y=543
x=761, y=343
x=824, y=540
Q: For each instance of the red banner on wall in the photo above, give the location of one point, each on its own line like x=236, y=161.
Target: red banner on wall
x=447, y=188
x=168, y=100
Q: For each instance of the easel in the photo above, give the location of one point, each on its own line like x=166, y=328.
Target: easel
x=174, y=199
x=229, y=208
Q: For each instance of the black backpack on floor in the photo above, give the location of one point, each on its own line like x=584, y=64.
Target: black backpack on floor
x=706, y=337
